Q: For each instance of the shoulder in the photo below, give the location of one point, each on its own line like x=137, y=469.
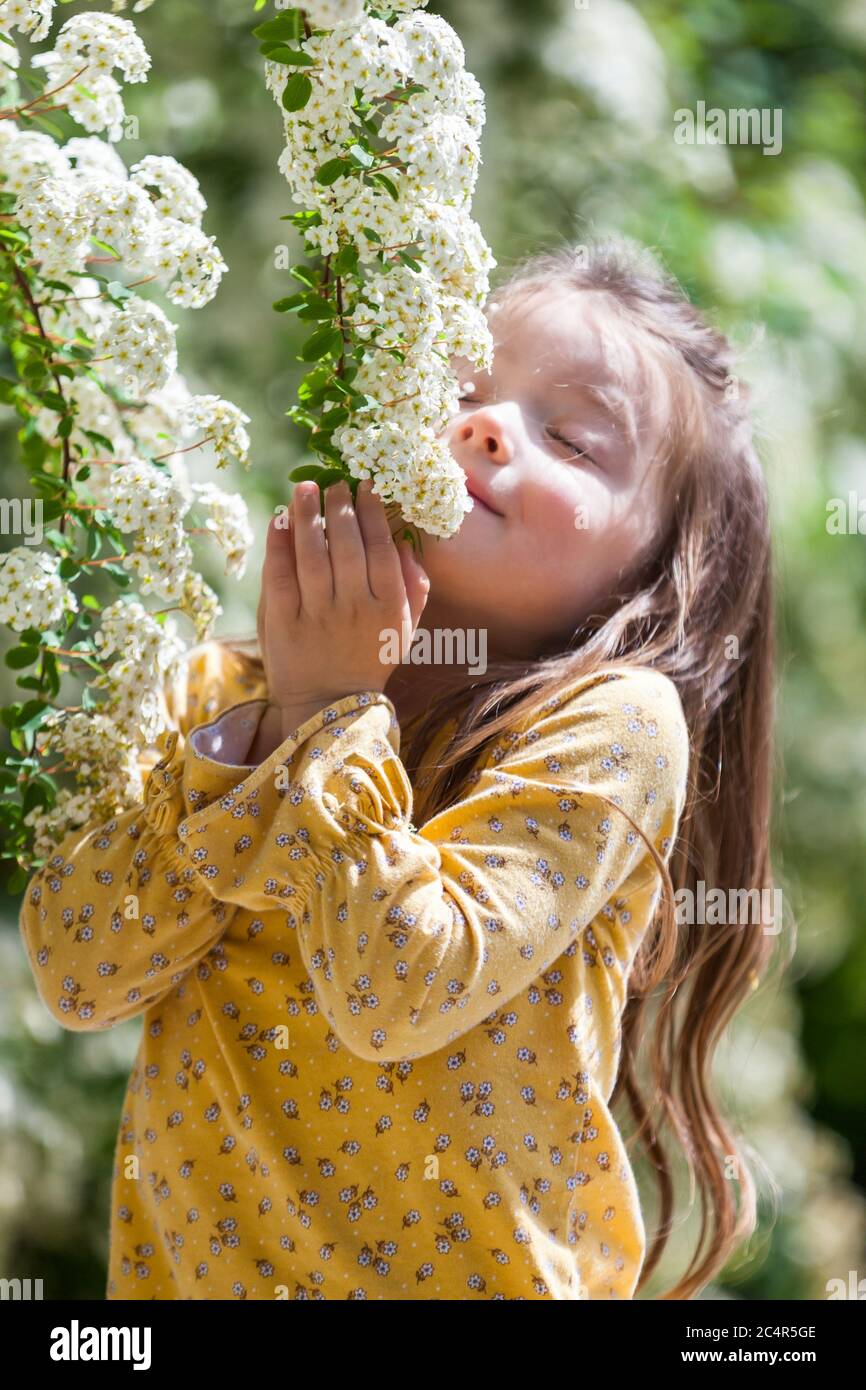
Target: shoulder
x=642, y=716
x=211, y=677
x=632, y=693
x=619, y=725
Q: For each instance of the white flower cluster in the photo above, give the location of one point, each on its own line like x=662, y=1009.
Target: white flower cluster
x=326, y=14
x=32, y=594
x=69, y=194
x=102, y=746
x=30, y=17
x=136, y=347
x=79, y=69
x=152, y=504
x=130, y=396
x=33, y=17
x=146, y=654
x=428, y=315
x=222, y=424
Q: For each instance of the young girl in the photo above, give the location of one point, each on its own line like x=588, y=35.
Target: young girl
x=395, y=930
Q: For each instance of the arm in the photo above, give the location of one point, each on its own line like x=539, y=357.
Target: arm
x=413, y=937
x=116, y=918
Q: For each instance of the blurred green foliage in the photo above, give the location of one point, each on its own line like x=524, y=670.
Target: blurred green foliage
x=581, y=102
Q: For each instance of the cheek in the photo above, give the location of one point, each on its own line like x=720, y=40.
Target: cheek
x=570, y=512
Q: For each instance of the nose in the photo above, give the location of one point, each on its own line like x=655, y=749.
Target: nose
x=486, y=431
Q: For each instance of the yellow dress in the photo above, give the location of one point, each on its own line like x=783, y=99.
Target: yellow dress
x=375, y=1060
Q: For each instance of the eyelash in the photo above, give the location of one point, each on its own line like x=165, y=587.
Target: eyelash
x=577, y=449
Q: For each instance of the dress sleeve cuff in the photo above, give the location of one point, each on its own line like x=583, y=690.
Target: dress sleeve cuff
x=212, y=786
x=227, y=740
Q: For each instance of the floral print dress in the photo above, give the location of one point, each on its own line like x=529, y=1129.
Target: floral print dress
x=376, y=1059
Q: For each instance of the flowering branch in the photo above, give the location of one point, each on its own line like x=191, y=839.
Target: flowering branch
x=95, y=381
x=382, y=125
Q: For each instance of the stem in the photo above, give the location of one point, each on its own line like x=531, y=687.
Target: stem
x=24, y=286
x=342, y=363
x=77, y=298
x=172, y=452
x=43, y=96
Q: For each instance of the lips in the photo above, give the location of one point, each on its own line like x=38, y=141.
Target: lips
x=482, y=502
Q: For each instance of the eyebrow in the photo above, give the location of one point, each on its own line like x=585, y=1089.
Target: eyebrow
x=615, y=404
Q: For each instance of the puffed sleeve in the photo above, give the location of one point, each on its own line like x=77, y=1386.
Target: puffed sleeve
x=116, y=917
x=413, y=936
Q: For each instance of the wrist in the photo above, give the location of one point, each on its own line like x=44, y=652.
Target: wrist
x=292, y=716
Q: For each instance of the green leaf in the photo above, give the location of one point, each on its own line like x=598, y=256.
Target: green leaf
x=285, y=26
x=18, y=880
x=386, y=183
x=120, y=576
x=104, y=246
x=332, y=418
x=118, y=293
x=68, y=569
x=317, y=309
x=278, y=53
x=51, y=672
x=34, y=713
x=331, y=170
x=37, y=794
x=304, y=274
x=363, y=156
x=315, y=472
x=297, y=92
x=99, y=441
x=328, y=451
x=346, y=261
x=324, y=341
x=410, y=261
x=291, y=301
x=19, y=657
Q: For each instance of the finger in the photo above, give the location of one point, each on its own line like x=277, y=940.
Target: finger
x=415, y=577
x=261, y=609
x=279, y=573
x=345, y=543
x=315, y=581
x=383, y=563
x=416, y=581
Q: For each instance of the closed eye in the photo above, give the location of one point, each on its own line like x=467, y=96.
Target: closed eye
x=577, y=450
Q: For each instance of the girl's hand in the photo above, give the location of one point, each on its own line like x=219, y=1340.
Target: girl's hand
x=327, y=603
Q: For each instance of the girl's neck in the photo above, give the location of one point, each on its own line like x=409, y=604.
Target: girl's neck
x=413, y=689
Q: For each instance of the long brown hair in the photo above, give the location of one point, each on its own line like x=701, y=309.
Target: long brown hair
x=700, y=609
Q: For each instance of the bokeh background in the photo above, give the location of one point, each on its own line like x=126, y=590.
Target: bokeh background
x=581, y=101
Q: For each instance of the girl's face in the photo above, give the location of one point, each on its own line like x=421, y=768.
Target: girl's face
x=559, y=440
